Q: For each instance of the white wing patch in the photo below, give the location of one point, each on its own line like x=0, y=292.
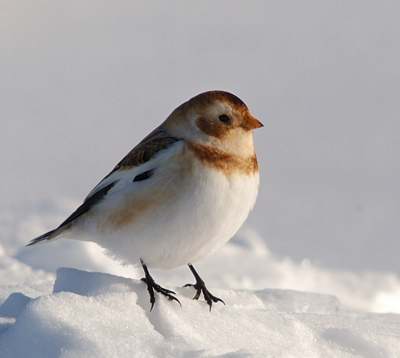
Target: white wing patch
x=124, y=177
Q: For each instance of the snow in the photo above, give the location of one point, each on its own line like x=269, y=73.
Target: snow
x=95, y=306
x=91, y=314
x=247, y=264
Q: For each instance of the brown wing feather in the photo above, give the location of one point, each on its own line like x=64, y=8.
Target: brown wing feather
x=156, y=141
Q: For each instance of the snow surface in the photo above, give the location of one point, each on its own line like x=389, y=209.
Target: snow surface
x=47, y=311
x=93, y=314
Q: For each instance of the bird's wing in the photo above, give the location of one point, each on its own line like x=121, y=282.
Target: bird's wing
x=137, y=165
x=146, y=151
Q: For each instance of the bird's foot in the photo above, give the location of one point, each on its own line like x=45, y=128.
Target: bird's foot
x=152, y=286
x=200, y=287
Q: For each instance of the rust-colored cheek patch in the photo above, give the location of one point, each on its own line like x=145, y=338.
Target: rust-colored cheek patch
x=214, y=129
x=225, y=162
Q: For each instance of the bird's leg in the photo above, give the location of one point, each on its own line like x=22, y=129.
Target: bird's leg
x=200, y=287
x=152, y=286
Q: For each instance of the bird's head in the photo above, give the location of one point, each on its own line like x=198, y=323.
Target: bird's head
x=215, y=118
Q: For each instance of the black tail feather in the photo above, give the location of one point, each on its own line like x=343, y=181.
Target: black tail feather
x=47, y=236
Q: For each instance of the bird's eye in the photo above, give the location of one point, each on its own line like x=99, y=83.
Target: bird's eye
x=224, y=118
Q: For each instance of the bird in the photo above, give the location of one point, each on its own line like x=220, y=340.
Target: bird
x=178, y=195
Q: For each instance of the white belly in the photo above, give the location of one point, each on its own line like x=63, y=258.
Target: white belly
x=204, y=211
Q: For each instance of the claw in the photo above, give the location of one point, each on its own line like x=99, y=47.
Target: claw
x=200, y=287
x=211, y=298
x=152, y=286
x=198, y=292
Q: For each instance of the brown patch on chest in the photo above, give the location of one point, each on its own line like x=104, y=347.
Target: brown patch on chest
x=225, y=162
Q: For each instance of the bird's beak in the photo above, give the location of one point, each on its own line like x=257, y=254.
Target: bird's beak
x=252, y=122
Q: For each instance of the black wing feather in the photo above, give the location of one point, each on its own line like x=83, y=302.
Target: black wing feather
x=143, y=176
x=88, y=204
x=84, y=208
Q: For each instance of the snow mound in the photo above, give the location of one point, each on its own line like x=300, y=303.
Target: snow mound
x=93, y=314
x=31, y=269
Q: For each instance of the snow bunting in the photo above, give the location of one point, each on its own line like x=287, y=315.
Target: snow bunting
x=179, y=195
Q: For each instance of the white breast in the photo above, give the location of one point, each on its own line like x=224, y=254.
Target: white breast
x=202, y=211
x=212, y=209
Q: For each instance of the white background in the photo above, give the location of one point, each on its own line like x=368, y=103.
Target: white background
x=81, y=82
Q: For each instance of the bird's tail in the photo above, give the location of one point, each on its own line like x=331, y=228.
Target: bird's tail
x=47, y=236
